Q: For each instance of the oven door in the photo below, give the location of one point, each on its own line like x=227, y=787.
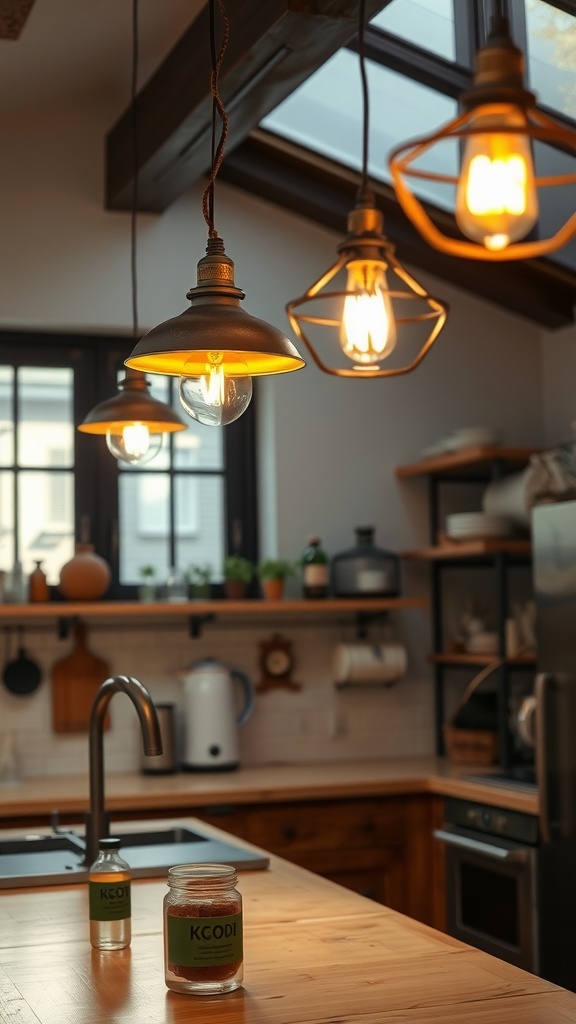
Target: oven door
x=491, y=894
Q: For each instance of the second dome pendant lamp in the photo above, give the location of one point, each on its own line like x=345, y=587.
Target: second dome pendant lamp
x=215, y=347
x=380, y=308
x=132, y=421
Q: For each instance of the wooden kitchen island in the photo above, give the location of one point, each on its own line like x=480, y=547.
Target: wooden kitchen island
x=315, y=953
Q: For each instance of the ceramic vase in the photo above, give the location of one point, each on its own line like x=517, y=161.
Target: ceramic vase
x=86, y=576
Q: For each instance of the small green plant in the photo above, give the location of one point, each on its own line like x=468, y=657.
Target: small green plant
x=275, y=569
x=200, y=575
x=147, y=572
x=238, y=569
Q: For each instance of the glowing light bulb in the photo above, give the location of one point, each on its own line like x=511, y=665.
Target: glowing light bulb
x=368, y=329
x=133, y=444
x=496, y=201
x=216, y=398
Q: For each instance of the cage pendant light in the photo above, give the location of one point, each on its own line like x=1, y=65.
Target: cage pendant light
x=132, y=421
x=497, y=189
x=379, y=307
x=215, y=347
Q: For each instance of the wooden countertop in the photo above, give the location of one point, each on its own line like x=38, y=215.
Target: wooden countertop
x=314, y=954
x=262, y=784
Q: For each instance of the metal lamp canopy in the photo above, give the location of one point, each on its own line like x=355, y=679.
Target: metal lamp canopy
x=498, y=86
x=365, y=241
x=215, y=323
x=132, y=404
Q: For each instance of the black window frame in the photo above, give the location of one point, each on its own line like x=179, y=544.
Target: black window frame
x=95, y=360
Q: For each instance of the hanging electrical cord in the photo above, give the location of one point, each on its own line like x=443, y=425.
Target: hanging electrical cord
x=133, y=421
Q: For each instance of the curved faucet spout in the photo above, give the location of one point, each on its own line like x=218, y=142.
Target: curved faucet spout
x=97, y=822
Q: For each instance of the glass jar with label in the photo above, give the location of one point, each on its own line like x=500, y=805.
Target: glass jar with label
x=109, y=898
x=203, y=938
x=315, y=570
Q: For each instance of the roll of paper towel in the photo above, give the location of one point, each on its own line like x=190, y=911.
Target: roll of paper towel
x=369, y=663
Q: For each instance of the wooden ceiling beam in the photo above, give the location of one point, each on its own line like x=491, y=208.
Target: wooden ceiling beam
x=325, y=191
x=274, y=45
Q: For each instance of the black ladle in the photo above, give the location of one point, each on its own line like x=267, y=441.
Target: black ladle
x=22, y=676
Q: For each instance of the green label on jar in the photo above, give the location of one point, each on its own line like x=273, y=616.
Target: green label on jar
x=204, y=941
x=109, y=901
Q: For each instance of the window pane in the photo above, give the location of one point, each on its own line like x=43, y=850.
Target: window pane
x=46, y=520
x=199, y=521
x=6, y=417
x=199, y=447
x=45, y=416
x=552, y=55
x=144, y=512
x=7, y=556
x=426, y=23
x=324, y=114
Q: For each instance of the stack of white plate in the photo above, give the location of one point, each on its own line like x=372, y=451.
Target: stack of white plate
x=471, y=437
x=466, y=525
x=482, y=643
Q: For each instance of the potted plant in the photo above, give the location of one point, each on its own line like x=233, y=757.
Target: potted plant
x=147, y=589
x=273, y=573
x=238, y=573
x=199, y=577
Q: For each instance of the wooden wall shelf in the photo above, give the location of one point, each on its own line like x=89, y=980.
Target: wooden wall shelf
x=468, y=461
x=478, y=548
x=198, y=613
x=464, y=658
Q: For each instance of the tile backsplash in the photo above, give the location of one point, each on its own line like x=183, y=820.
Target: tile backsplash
x=317, y=723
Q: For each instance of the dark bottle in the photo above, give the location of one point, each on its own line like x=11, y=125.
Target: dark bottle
x=315, y=570
x=365, y=570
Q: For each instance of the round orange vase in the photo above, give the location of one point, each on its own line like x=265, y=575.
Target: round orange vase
x=86, y=576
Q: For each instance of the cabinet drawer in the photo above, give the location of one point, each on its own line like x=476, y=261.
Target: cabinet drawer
x=288, y=828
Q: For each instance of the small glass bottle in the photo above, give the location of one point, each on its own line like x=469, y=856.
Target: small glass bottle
x=203, y=952
x=109, y=892
x=38, y=585
x=315, y=570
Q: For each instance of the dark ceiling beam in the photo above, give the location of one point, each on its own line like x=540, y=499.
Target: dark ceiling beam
x=274, y=46
x=13, y=15
x=324, y=191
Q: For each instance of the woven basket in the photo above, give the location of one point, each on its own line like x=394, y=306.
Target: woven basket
x=471, y=746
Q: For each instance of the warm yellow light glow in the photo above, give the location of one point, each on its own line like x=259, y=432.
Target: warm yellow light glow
x=496, y=201
x=216, y=398
x=136, y=438
x=133, y=443
x=368, y=330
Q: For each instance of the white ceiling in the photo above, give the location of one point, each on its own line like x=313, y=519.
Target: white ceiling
x=69, y=47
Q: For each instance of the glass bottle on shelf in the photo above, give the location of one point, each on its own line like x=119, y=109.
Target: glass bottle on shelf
x=365, y=570
x=315, y=570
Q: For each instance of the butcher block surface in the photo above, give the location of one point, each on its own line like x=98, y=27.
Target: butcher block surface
x=314, y=954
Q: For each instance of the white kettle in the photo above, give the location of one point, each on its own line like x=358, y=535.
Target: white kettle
x=211, y=718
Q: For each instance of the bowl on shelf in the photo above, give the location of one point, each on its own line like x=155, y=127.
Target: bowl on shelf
x=469, y=525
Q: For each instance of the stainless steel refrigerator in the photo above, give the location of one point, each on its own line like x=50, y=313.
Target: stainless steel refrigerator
x=554, y=559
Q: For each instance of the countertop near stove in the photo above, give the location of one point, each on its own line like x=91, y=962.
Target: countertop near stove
x=314, y=953
x=185, y=791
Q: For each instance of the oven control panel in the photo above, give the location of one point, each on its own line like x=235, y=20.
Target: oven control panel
x=494, y=821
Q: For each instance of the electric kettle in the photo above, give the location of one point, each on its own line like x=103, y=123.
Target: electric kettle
x=211, y=718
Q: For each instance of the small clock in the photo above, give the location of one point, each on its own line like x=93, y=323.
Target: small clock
x=276, y=664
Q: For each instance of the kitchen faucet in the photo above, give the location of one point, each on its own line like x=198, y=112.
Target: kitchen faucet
x=97, y=821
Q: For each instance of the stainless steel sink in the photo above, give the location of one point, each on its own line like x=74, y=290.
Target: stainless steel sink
x=152, y=853
x=41, y=860
x=57, y=859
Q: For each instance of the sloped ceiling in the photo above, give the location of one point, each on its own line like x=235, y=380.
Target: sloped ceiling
x=13, y=14
x=274, y=46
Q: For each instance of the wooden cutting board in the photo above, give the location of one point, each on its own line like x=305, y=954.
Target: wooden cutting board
x=76, y=678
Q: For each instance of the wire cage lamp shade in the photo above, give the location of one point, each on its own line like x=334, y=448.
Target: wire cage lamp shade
x=368, y=259
x=497, y=188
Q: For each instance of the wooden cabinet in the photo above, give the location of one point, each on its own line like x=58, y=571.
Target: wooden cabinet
x=475, y=465
x=381, y=847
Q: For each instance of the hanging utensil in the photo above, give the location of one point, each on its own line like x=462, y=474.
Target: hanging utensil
x=22, y=675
